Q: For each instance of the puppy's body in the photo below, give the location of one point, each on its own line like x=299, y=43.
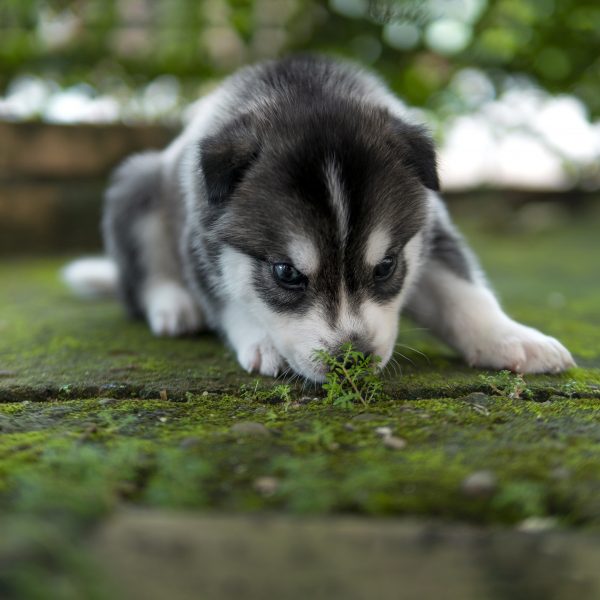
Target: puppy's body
x=296, y=212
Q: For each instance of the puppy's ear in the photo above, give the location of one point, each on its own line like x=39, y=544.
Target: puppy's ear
x=226, y=156
x=419, y=153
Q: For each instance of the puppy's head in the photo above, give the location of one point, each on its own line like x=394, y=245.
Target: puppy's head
x=320, y=214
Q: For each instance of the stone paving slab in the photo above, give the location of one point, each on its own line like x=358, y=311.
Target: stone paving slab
x=98, y=417
x=151, y=555
x=54, y=345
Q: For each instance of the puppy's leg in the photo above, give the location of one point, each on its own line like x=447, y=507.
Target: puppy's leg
x=452, y=299
x=138, y=239
x=253, y=346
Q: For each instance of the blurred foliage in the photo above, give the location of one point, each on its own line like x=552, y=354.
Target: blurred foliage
x=418, y=46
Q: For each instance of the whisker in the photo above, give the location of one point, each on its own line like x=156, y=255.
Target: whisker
x=397, y=366
x=293, y=377
x=303, y=386
x=414, y=350
x=405, y=357
x=391, y=366
x=282, y=375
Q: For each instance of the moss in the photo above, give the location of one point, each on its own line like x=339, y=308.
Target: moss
x=96, y=414
x=84, y=457
x=53, y=345
x=70, y=463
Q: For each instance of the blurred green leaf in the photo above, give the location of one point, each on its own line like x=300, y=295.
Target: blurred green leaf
x=555, y=43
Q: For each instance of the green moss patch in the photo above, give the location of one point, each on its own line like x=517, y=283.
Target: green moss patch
x=227, y=452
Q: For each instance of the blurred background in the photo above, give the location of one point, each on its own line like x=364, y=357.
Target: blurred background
x=510, y=89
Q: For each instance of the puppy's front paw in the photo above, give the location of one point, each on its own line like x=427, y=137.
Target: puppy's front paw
x=520, y=349
x=171, y=311
x=261, y=357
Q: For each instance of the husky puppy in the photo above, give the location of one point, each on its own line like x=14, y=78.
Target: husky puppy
x=299, y=211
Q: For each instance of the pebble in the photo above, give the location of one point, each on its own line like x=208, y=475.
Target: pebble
x=189, y=442
x=383, y=431
x=266, y=486
x=394, y=443
x=481, y=484
x=89, y=432
x=480, y=409
x=537, y=524
x=250, y=428
x=107, y=401
x=560, y=473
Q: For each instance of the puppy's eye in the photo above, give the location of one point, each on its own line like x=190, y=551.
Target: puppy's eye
x=385, y=268
x=289, y=277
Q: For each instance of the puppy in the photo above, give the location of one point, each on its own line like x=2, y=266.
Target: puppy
x=296, y=212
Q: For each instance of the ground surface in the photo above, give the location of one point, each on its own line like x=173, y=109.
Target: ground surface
x=98, y=419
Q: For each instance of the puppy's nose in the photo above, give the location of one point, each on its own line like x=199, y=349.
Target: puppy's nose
x=346, y=361
x=361, y=345
x=349, y=361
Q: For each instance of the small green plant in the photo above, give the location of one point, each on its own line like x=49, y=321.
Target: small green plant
x=574, y=388
x=508, y=385
x=64, y=390
x=351, y=378
x=278, y=393
x=283, y=392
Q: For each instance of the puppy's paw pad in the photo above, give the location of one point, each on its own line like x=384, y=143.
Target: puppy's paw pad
x=171, y=311
x=262, y=358
x=523, y=350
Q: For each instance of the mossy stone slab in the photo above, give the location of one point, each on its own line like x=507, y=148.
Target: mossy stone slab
x=53, y=345
x=355, y=559
x=98, y=416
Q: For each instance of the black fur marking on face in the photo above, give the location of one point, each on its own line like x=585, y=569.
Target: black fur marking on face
x=274, y=167
x=286, y=192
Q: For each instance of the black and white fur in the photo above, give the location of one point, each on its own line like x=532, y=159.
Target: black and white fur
x=309, y=163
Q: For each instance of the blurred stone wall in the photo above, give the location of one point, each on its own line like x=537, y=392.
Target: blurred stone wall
x=52, y=178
